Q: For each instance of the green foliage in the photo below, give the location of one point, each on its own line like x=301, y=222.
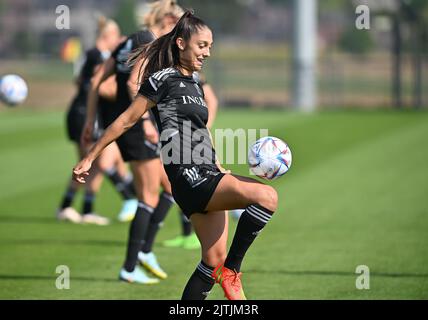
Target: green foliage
x=24, y=43
x=353, y=40
x=333, y=4
x=223, y=16
x=125, y=16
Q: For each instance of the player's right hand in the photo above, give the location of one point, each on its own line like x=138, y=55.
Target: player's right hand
x=81, y=170
x=150, y=132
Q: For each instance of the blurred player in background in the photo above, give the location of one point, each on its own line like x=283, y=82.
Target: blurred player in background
x=110, y=162
x=140, y=144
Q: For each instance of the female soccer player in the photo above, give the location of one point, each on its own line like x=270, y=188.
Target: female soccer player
x=188, y=239
x=199, y=185
x=139, y=145
x=110, y=161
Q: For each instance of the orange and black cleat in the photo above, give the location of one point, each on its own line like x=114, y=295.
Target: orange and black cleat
x=230, y=281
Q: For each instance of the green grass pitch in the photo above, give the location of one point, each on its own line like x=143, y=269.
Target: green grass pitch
x=356, y=195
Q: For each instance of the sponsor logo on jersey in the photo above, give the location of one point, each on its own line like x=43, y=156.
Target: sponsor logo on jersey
x=194, y=100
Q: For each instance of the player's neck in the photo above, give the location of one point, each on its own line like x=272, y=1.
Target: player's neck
x=184, y=70
x=100, y=45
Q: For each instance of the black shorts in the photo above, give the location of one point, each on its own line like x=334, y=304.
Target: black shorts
x=108, y=112
x=75, y=121
x=193, y=187
x=134, y=147
x=76, y=118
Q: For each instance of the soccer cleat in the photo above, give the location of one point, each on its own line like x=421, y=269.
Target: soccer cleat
x=175, y=242
x=69, y=214
x=150, y=263
x=136, y=276
x=230, y=281
x=93, y=218
x=191, y=242
x=129, y=208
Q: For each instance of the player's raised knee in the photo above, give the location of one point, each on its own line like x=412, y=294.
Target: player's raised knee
x=269, y=198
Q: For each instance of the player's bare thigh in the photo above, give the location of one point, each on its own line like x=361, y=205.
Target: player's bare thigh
x=236, y=192
x=212, y=231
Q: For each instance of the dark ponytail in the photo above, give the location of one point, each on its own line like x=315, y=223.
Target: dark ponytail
x=163, y=52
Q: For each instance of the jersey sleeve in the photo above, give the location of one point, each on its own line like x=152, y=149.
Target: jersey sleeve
x=115, y=52
x=154, y=89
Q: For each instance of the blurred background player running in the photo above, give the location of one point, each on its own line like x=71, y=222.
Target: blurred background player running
x=110, y=163
x=139, y=145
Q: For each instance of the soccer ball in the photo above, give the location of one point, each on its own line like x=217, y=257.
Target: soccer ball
x=13, y=89
x=269, y=158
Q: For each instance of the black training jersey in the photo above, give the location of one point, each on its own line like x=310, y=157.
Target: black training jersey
x=181, y=115
x=122, y=70
x=93, y=58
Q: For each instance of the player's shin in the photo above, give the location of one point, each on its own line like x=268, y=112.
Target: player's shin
x=250, y=224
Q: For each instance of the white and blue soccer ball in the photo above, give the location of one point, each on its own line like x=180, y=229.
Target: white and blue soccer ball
x=269, y=158
x=13, y=89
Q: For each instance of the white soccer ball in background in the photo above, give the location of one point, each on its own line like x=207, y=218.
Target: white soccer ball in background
x=13, y=89
x=269, y=158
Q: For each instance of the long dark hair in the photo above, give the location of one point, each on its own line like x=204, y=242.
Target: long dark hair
x=163, y=52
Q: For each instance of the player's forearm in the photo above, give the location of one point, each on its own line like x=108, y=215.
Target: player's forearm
x=132, y=88
x=114, y=131
x=123, y=123
x=91, y=105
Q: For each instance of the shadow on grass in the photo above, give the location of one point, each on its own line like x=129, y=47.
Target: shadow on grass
x=54, y=278
x=337, y=273
x=283, y=272
x=28, y=219
x=69, y=242
x=38, y=220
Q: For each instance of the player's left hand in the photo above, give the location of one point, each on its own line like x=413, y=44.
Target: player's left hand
x=223, y=170
x=81, y=170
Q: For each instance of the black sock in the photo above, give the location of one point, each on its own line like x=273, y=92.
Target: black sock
x=68, y=197
x=186, y=225
x=252, y=221
x=88, y=202
x=120, y=184
x=165, y=202
x=200, y=283
x=137, y=234
x=129, y=181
